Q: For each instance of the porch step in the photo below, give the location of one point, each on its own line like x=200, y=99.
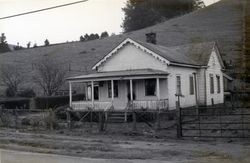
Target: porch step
x=118, y=117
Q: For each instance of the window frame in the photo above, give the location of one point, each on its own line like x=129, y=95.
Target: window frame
x=211, y=80
x=218, y=84
x=96, y=93
x=191, y=85
x=148, y=86
x=178, y=85
x=116, y=89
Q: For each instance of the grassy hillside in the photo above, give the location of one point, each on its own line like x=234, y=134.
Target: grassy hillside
x=222, y=22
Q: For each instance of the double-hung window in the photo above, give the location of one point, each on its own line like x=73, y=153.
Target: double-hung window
x=211, y=83
x=191, y=84
x=178, y=85
x=218, y=84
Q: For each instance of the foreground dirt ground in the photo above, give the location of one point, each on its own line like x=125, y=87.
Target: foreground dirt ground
x=126, y=147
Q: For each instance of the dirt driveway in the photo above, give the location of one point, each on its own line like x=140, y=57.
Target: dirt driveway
x=108, y=148
x=8, y=156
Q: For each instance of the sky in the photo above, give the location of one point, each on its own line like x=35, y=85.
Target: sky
x=61, y=24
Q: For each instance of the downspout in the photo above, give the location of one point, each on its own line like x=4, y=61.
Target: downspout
x=205, y=84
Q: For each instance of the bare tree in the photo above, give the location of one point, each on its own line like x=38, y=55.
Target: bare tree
x=50, y=76
x=12, y=77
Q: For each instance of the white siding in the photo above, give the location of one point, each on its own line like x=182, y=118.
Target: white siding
x=214, y=69
x=130, y=57
x=201, y=86
x=187, y=100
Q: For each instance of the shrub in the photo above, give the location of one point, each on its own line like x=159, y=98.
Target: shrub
x=26, y=93
x=6, y=119
x=10, y=92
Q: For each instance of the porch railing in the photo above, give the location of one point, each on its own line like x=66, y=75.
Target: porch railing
x=85, y=105
x=150, y=104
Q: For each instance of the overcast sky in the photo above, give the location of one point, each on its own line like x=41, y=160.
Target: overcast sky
x=62, y=24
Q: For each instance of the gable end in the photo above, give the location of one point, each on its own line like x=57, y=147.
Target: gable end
x=137, y=45
x=218, y=54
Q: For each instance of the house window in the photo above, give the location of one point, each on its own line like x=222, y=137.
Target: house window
x=96, y=93
x=218, y=83
x=178, y=85
x=211, y=83
x=191, y=85
x=115, y=89
x=150, y=87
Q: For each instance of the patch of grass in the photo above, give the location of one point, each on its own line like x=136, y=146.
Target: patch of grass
x=212, y=154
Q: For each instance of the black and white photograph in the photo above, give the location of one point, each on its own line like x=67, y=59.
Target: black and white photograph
x=124, y=81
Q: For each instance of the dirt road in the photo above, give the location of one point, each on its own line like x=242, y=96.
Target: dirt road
x=108, y=148
x=8, y=156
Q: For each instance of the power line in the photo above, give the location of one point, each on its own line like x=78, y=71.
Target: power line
x=44, y=9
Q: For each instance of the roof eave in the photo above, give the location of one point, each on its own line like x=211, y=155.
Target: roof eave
x=187, y=65
x=122, y=77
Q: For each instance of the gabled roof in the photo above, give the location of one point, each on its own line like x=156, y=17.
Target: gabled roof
x=192, y=54
x=196, y=54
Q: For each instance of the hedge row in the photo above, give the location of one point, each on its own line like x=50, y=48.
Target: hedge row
x=38, y=102
x=55, y=101
x=15, y=103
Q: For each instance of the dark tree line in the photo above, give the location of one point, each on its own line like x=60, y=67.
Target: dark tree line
x=143, y=13
x=18, y=47
x=92, y=36
x=4, y=47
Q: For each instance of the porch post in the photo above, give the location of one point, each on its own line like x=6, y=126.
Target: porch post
x=112, y=91
x=158, y=88
x=70, y=94
x=92, y=93
x=86, y=91
x=131, y=89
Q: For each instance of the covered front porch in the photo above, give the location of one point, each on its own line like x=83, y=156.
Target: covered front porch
x=122, y=90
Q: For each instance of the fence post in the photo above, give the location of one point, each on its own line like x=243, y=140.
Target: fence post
x=220, y=123
x=242, y=122
x=91, y=118
x=15, y=113
x=199, y=120
x=134, y=120
x=178, y=120
x=68, y=118
x=158, y=124
x=126, y=116
x=232, y=99
x=101, y=121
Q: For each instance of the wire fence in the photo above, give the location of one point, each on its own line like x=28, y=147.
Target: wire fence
x=26, y=118
x=216, y=122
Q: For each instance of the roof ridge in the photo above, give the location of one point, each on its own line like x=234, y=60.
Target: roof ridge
x=185, y=44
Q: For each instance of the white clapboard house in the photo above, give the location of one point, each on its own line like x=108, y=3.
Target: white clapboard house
x=142, y=75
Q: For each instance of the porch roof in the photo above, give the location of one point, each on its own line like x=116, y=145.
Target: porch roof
x=126, y=74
